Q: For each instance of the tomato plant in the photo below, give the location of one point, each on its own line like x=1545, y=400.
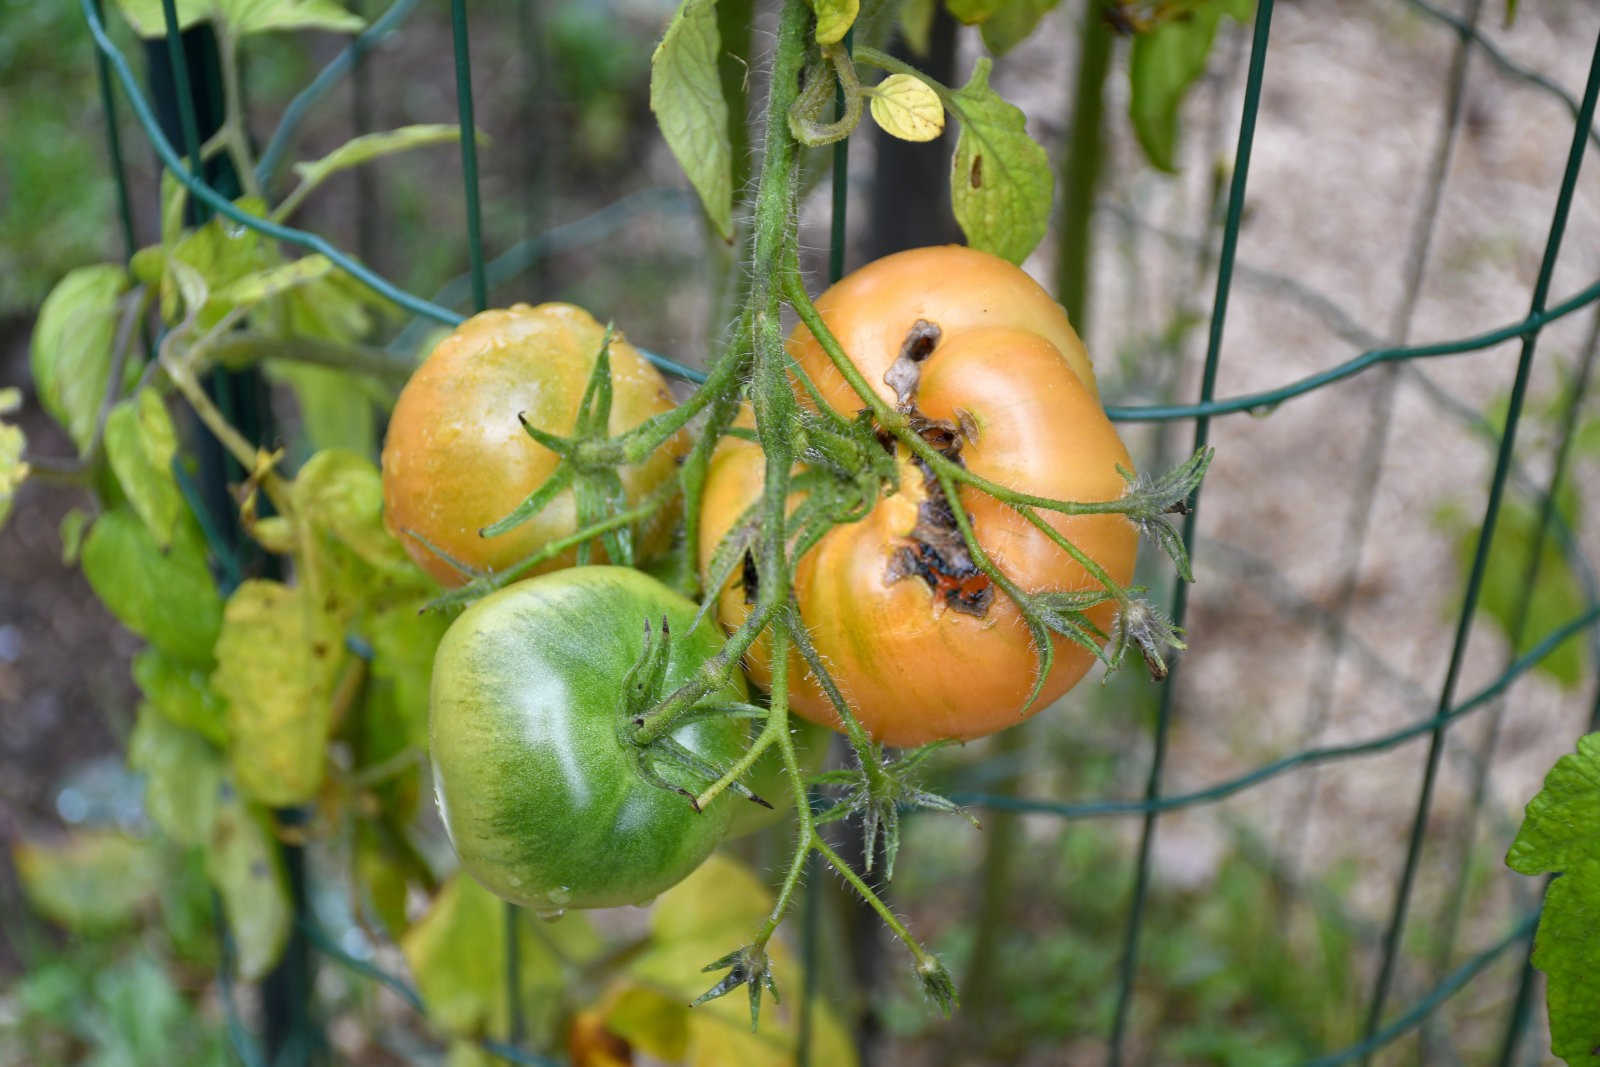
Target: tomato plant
x=545, y=804
x=993, y=376
x=457, y=459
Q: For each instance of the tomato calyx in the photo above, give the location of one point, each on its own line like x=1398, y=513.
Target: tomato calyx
x=642, y=689
x=747, y=966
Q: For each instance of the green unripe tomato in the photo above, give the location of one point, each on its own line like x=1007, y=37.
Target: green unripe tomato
x=539, y=793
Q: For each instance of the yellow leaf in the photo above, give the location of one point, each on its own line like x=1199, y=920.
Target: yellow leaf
x=907, y=107
x=834, y=18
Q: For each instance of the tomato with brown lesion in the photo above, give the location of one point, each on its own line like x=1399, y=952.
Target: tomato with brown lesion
x=991, y=374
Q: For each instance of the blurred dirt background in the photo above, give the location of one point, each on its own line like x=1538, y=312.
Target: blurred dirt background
x=1295, y=638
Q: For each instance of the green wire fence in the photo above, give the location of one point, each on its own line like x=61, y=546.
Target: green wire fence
x=1382, y=1027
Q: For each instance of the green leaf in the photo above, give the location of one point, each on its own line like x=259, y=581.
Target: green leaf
x=341, y=494
x=182, y=693
x=1005, y=23
x=403, y=641
x=140, y=442
x=13, y=471
x=166, y=597
x=1561, y=835
x=834, y=18
x=1000, y=178
x=457, y=954
x=686, y=97
x=1162, y=64
x=73, y=525
x=1555, y=598
x=147, y=19
x=93, y=882
x=183, y=776
x=335, y=410
x=916, y=24
x=278, y=659
x=242, y=862
x=243, y=16
x=222, y=252
x=71, y=353
x=370, y=146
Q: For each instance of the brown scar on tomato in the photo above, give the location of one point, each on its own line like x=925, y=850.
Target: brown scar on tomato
x=905, y=373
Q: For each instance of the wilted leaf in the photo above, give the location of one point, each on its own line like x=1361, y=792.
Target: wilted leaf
x=907, y=107
x=71, y=352
x=1162, y=64
x=457, y=955
x=1005, y=23
x=649, y=1020
x=1558, y=836
x=1000, y=179
x=686, y=97
x=370, y=146
x=916, y=24
x=93, y=882
x=140, y=444
x=278, y=659
x=12, y=470
x=182, y=693
x=168, y=598
x=242, y=863
x=834, y=18
x=183, y=776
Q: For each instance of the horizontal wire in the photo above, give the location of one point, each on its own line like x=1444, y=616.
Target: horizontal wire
x=1321, y=754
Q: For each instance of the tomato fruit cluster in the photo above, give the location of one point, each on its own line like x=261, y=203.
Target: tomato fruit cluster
x=539, y=782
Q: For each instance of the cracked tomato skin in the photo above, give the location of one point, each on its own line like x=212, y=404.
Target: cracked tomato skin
x=537, y=790
x=456, y=458
x=1009, y=372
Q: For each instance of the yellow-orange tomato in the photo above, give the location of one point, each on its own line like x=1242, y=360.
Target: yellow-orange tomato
x=918, y=640
x=456, y=459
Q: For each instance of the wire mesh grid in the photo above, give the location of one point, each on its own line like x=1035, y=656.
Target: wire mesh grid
x=1378, y=354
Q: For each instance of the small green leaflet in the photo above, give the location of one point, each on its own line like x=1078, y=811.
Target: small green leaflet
x=93, y=882
x=1162, y=64
x=370, y=146
x=183, y=777
x=1561, y=835
x=140, y=444
x=71, y=353
x=242, y=16
x=1000, y=178
x=834, y=19
x=686, y=97
x=13, y=471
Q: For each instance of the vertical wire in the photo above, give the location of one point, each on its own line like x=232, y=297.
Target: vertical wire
x=1180, y=594
x=480, y=300
x=119, y=170
x=180, y=86
x=1558, y=224
x=469, y=152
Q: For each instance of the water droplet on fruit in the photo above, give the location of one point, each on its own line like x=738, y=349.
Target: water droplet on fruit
x=550, y=915
x=560, y=896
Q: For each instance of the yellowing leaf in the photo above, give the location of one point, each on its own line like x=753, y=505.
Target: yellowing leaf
x=93, y=882
x=907, y=107
x=834, y=18
x=278, y=658
x=686, y=98
x=457, y=955
x=12, y=470
x=1000, y=178
x=242, y=863
x=71, y=351
x=140, y=444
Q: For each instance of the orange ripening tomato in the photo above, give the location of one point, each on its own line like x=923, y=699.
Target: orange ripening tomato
x=918, y=639
x=456, y=458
